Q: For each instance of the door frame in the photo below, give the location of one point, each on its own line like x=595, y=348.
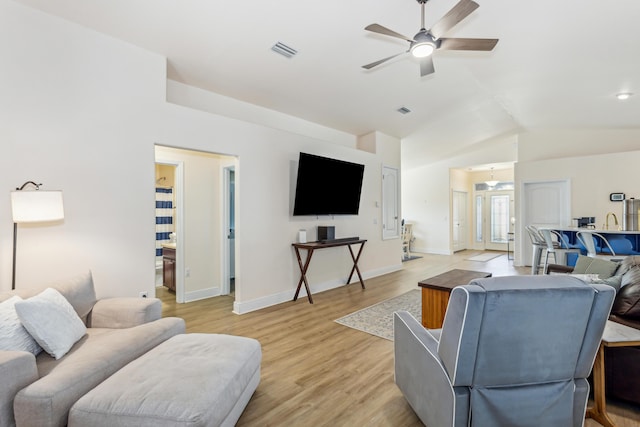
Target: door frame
x=179, y=222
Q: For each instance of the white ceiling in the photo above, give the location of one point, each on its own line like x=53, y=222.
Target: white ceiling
x=558, y=64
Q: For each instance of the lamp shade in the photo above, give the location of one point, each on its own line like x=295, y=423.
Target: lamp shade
x=36, y=206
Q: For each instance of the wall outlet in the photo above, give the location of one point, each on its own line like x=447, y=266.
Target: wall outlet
x=144, y=294
x=187, y=272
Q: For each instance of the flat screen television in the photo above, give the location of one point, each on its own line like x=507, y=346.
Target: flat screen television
x=327, y=186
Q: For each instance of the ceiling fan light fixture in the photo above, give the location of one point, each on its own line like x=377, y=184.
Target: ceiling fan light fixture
x=422, y=50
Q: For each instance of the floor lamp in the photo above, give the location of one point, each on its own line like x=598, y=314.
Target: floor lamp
x=29, y=206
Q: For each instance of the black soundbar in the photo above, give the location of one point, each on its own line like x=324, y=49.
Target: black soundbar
x=340, y=240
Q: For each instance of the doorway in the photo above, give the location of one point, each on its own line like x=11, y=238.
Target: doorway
x=229, y=249
x=169, y=225
x=205, y=223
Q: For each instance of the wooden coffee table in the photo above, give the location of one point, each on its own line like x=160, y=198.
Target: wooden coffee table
x=436, y=291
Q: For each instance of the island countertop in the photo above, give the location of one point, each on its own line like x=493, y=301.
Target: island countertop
x=595, y=230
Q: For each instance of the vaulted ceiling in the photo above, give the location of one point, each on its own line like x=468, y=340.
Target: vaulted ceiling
x=558, y=64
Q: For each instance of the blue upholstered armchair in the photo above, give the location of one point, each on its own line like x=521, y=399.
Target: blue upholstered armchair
x=513, y=351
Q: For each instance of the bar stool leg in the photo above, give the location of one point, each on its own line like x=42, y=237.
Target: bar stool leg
x=537, y=256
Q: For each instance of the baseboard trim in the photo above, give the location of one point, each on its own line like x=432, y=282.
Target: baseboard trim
x=244, y=307
x=201, y=294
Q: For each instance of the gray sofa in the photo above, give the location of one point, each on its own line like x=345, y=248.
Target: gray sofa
x=40, y=390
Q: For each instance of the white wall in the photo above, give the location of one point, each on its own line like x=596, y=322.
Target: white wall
x=76, y=108
x=426, y=193
x=592, y=179
x=76, y=104
x=562, y=143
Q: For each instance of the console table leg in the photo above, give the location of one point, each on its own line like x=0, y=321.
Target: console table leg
x=303, y=274
x=355, y=265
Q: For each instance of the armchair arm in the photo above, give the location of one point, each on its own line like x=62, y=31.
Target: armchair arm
x=124, y=312
x=422, y=378
x=17, y=370
x=559, y=268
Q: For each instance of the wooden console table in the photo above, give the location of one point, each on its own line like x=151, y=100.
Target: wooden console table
x=436, y=291
x=615, y=335
x=312, y=246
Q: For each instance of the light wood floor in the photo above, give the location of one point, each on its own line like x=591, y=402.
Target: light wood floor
x=316, y=372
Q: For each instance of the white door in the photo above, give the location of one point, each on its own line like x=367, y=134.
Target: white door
x=493, y=211
x=390, y=203
x=459, y=220
x=497, y=220
x=544, y=204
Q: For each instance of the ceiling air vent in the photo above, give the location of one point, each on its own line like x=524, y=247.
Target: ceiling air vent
x=403, y=110
x=284, y=50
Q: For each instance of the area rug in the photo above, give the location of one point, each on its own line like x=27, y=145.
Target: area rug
x=378, y=319
x=484, y=257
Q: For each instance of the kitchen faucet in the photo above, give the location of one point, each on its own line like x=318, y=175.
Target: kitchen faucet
x=615, y=219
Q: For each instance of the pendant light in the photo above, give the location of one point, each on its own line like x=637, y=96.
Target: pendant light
x=492, y=182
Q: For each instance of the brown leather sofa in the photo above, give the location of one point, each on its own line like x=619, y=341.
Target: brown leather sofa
x=622, y=364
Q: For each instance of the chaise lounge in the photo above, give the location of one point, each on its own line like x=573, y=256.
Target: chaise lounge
x=120, y=343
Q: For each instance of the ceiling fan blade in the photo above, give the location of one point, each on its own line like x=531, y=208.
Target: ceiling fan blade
x=455, y=15
x=426, y=66
x=468, y=44
x=373, y=64
x=377, y=28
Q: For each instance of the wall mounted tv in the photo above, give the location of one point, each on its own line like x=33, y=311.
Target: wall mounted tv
x=327, y=186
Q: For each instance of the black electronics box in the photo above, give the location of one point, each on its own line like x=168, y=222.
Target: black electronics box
x=326, y=233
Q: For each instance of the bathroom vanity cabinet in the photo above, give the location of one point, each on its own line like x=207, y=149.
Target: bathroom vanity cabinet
x=169, y=267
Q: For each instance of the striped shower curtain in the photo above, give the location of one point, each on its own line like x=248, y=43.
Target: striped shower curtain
x=164, y=219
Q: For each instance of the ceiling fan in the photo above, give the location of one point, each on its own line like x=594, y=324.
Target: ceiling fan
x=425, y=42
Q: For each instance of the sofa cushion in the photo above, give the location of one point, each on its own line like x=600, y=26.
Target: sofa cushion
x=80, y=293
x=51, y=321
x=78, y=290
x=100, y=353
x=602, y=267
x=13, y=335
x=191, y=380
x=631, y=276
x=627, y=302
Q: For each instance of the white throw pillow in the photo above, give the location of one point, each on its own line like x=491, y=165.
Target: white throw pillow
x=52, y=321
x=13, y=335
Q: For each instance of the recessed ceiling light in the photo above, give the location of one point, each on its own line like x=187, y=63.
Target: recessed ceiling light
x=623, y=95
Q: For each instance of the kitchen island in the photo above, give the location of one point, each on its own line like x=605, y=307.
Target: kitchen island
x=623, y=242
